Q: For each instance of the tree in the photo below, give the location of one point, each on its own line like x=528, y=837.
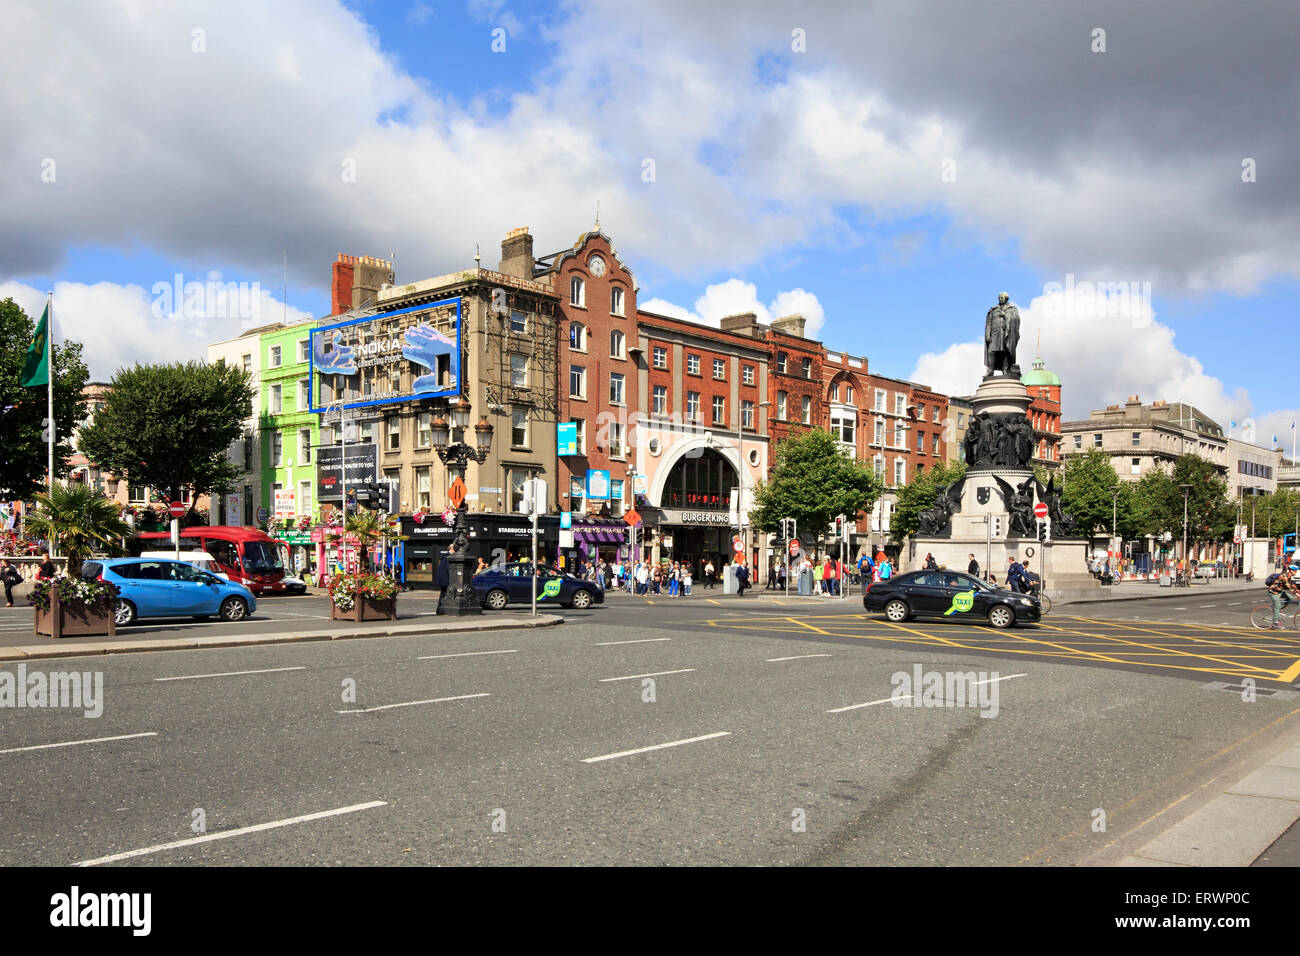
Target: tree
x=23, y=410
x=1089, y=485
x=77, y=521
x=368, y=529
x=813, y=480
x=170, y=426
x=919, y=494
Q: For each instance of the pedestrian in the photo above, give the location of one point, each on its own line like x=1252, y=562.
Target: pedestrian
x=47, y=569
x=674, y=579
x=9, y=577
x=771, y=576
x=442, y=578
x=1282, y=590
x=780, y=575
x=709, y=572
x=686, y=580
x=829, y=578
x=930, y=564
x=886, y=568
x=973, y=568
x=866, y=569
x=819, y=573
x=742, y=579
x=1017, y=580
x=641, y=577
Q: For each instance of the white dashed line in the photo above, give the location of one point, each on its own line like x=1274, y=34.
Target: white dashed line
x=435, y=657
x=269, y=670
x=870, y=703
x=411, y=703
x=642, y=750
x=686, y=670
x=73, y=743
x=800, y=657
x=647, y=640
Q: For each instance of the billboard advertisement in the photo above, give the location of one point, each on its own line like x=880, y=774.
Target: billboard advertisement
x=566, y=437
x=363, y=467
x=597, y=484
x=388, y=357
x=284, y=504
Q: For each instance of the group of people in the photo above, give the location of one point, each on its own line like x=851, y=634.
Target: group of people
x=11, y=577
x=671, y=578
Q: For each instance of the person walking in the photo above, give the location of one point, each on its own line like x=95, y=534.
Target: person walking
x=829, y=579
x=866, y=570
x=819, y=571
x=709, y=572
x=973, y=568
x=742, y=579
x=1017, y=580
x=780, y=575
x=930, y=564
x=884, y=566
x=686, y=580
x=9, y=577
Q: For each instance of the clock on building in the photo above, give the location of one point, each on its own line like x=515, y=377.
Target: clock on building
x=597, y=265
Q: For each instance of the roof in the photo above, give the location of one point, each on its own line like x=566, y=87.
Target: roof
x=1040, y=375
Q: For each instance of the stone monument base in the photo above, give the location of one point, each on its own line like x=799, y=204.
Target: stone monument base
x=1063, y=565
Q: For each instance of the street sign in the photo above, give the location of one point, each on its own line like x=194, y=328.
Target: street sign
x=261, y=514
x=794, y=547
x=1040, y=510
x=632, y=517
x=177, y=509
x=566, y=521
x=456, y=493
x=738, y=545
x=1237, y=540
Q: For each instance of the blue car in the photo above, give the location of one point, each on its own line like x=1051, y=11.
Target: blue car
x=512, y=584
x=163, y=587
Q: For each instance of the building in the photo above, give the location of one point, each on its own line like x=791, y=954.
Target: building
x=1252, y=470
x=1139, y=438
x=1044, y=413
x=960, y=412
x=288, y=430
x=241, y=505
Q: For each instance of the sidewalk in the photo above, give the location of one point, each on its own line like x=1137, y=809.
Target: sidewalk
x=1148, y=590
x=344, y=631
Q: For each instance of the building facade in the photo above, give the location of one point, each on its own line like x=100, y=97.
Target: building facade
x=1044, y=413
x=1139, y=438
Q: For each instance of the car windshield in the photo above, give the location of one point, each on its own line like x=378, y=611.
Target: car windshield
x=260, y=557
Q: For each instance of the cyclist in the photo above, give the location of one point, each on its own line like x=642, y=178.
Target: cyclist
x=1282, y=589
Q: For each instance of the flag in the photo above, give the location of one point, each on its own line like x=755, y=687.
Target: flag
x=36, y=367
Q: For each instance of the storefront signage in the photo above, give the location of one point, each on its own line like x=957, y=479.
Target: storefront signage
x=597, y=485
x=699, y=517
x=566, y=437
x=362, y=463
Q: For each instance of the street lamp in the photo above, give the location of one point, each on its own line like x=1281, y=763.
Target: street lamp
x=1186, y=564
x=458, y=598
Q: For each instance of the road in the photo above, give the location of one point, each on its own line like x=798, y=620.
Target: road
x=709, y=731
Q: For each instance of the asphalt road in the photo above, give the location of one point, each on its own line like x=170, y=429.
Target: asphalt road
x=755, y=744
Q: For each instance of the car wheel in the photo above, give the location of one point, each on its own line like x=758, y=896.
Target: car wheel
x=897, y=611
x=496, y=599
x=233, y=609
x=124, y=613
x=1001, y=616
x=582, y=600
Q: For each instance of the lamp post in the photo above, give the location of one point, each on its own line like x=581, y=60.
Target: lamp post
x=1186, y=564
x=1114, y=512
x=458, y=599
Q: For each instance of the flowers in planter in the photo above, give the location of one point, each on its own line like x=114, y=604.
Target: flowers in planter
x=449, y=517
x=345, y=588
x=304, y=523
x=71, y=591
x=420, y=515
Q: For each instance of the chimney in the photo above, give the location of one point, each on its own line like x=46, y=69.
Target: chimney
x=744, y=323
x=790, y=324
x=357, y=281
x=1133, y=400
x=517, y=254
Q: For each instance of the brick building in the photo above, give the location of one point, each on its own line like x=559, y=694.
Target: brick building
x=1044, y=413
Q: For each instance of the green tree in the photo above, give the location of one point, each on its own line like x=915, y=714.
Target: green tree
x=78, y=521
x=1090, y=488
x=23, y=410
x=170, y=426
x=918, y=495
x=813, y=480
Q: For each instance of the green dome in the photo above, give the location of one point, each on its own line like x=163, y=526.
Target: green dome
x=1040, y=375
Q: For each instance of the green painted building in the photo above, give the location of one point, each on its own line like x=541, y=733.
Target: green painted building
x=287, y=431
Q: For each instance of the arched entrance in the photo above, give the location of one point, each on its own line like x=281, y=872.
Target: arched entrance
x=695, y=497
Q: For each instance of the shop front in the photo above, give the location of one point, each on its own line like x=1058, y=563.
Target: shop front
x=599, y=539
x=696, y=537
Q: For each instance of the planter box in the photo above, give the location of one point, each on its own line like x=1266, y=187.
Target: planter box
x=366, y=609
x=74, y=620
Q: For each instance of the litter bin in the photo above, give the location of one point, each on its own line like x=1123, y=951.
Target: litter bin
x=1166, y=581
x=806, y=582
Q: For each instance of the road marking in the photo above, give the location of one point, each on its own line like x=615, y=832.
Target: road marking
x=269, y=670
x=411, y=703
x=870, y=703
x=994, y=680
x=1209, y=605
x=642, y=750
x=1233, y=603
x=435, y=657
x=773, y=660
x=73, y=743
x=227, y=834
x=645, y=640
x=606, y=680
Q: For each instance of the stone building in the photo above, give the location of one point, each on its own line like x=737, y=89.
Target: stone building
x=1139, y=438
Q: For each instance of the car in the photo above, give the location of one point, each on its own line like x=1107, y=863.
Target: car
x=294, y=585
x=165, y=587
x=949, y=594
x=200, y=559
x=512, y=584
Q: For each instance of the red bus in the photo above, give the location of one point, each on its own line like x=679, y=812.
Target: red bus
x=248, y=556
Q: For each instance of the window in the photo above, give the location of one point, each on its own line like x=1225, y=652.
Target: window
x=248, y=363
x=616, y=440
x=578, y=297
x=935, y=417
x=615, y=301
x=1078, y=442
x=935, y=444
x=1135, y=466
x=616, y=388
x=616, y=496
x=277, y=449
x=806, y=411
x=900, y=471
x=782, y=362
x=719, y=410
x=844, y=428
x=515, y=478
x=746, y=414
x=848, y=394
x=518, y=321
x=879, y=464
x=900, y=404
x=304, y=446
x=693, y=364
x=577, y=337
x=661, y=357
x=394, y=433
x=577, y=381
x=880, y=399
x=424, y=486
x=367, y=432
x=304, y=498
x=781, y=401
x=275, y=356
x=1096, y=440
x=135, y=494
x=277, y=399
x=899, y=441
x=248, y=451
x=519, y=370
x=747, y=374
x=807, y=368
x=920, y=443
x=424, y=430
x=661, y=400
x=920, y=412
x=1137, y=439
x=719, y=369
x=304, y=394
x=616, y=340
x=961, y=420
x=518, y=427
x=880, y=432
x=576, y=491
x=692, y=406
x=580, y=433
x=304, y=349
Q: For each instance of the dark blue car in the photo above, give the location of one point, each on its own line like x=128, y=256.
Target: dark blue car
x=512, y=584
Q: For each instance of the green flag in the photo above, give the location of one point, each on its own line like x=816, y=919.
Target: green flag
x=36, y=367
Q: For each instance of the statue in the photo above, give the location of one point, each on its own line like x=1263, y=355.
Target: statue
x=1063, y=524
x=1019, y=503
x=935, y=522
x=1024, y=443
x=1001, y=336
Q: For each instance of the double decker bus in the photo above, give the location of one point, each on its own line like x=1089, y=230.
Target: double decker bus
x=248, y=556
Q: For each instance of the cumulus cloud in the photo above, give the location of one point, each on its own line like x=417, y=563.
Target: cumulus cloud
x=736, y=296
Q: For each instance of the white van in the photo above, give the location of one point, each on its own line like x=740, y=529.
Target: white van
x=200, y=559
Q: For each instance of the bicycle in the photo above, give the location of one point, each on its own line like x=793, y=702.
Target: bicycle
x=1261, y=615
x=1044, y=602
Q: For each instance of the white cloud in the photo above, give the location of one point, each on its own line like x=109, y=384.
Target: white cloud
x=736, y=296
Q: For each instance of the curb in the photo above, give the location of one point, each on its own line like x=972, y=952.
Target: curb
x=38, y=651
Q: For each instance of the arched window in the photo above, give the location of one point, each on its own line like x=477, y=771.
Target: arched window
x=703, y=483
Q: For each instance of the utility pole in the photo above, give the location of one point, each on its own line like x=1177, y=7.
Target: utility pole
x=1187, y=564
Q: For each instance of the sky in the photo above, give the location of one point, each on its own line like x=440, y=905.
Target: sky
x=1126, y=172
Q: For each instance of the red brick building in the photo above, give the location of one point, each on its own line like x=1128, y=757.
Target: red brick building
x=1044, y=389
x=795, y=383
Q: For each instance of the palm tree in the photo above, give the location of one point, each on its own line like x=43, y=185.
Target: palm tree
x=368, y=528
x=77, y=520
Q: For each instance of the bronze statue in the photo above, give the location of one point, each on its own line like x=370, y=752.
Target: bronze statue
x=1019, y=504
x=1001, y=336
x=936, y=521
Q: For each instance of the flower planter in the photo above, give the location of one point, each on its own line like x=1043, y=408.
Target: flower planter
x=74, y=619
x=365, y=608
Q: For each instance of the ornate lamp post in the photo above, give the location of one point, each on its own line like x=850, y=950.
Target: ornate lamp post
x=458, y=599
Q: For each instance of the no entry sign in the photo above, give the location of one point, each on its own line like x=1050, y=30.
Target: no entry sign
x=177, y=509
x=1040, y=510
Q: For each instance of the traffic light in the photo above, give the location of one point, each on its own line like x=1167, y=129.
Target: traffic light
x=1042, y=531
x=46, y=429
x=378, y=495
x=386, y=498
x=997, y=527
x=839, y=526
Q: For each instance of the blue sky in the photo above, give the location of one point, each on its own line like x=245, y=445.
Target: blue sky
x=785, y=179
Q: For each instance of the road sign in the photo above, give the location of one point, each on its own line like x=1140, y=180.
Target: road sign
x=632, y=517
x=1040, y=510
x=177, y=509
x=456, y=493
x=738, y=545
x=1237, y=540
x=794, y=547
x=261, y=514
